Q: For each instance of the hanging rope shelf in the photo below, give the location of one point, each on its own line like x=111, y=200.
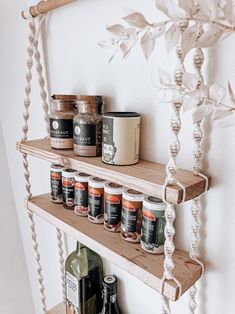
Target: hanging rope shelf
x=171, y=274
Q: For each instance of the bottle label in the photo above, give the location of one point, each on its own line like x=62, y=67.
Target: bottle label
x=56, y=187
x=109, y=148
x=153, y=224
x=72, y=294
x=84, y=136
x=95, y=204
x=112, y=210
x=68, y=191
x=61, y=128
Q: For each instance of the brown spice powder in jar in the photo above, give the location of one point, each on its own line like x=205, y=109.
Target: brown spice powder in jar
x=68, y=188
x=87, y=126
x=132, y=202
x=63, y=109
x=81, y=194
x=112, y=206
x=96, y=200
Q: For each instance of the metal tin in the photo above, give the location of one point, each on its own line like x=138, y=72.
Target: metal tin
x=96, y=200
x=56, y=183
x=153, y=225
x=81, y=194
x=68, y=188
x=131, y=217
x=121, y=136
x=112, y=206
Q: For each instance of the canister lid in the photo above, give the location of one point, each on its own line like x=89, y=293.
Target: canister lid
x=121, y=114
x=153, y=203
x=81, y=177
x=68, y=173
x=96, y=182
x=133, y=195
x=63, y=97
x=57, y=167
x=113, y=188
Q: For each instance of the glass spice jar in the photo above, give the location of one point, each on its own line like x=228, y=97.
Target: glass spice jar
x=63, y=109
x=87, y=127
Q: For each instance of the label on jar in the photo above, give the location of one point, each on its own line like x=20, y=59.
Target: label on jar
x=56, y=187
x=95, y=203
x=61, y=128
x=68, y=192
x=109, y=148
x=72, y=294
x=131, y=220
x=84, y=139
x=152, y=232
x=112, y=210
x=81, y=198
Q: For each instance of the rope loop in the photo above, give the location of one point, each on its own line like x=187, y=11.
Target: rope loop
x=164, y=278
x=173, y=181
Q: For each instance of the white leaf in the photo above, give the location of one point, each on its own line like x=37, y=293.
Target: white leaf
x=106, y=44
x=164, y=77
x=117, y=29
x=130, y=44
x=136, y=19
x=147, y=45
x=213, y=7
x=231, y=95
x=209, y=37
x=190, y=81
x=189, y=38
x=172, y=37
x=189, y=102
x=203, y=6
x=161, y=5
x=227, y=122
x=220, y=114
x=228, y=11
x=188, y=5
x=157, y=31
x=201, y=112
x=124, y=47
x=217, y=93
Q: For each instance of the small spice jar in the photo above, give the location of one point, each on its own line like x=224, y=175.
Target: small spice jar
x=81, y=194
x=112, y=206
x=131, y=218
x=121, y=136
x=96, y=200
x=68, y=179
x=153, y=225
x=63, y=109
x=87, y=127
x=56, y=183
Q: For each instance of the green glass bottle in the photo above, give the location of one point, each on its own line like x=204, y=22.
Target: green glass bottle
x=83, y=277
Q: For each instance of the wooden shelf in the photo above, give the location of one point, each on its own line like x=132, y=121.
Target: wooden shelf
x=147, y=177
x=128, y=256
x=58, y=309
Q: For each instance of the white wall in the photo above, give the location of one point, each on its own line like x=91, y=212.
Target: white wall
x=77, y=65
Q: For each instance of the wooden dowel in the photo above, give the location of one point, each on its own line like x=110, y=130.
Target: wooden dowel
x=45, y=6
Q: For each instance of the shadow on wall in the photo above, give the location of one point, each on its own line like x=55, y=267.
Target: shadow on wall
x=14, y=283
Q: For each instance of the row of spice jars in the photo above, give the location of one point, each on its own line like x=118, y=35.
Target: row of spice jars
x=138, y=217
x=76, y=122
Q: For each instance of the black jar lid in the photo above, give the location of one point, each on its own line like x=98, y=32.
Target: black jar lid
x=121, y=114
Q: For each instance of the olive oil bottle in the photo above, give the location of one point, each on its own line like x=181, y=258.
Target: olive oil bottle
x=83, y=277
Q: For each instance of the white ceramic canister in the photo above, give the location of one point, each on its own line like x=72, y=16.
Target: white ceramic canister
x=96, y=200
x=153, y=225
x=121, y=136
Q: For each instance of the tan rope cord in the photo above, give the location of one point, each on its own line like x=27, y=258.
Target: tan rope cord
x=29, y=63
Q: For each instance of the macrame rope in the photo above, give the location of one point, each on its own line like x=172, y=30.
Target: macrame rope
x=171, y=170
x=45, y=105
x=29, y=63
x=195, y=207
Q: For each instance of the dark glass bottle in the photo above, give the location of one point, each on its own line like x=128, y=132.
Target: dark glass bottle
x=83, y=276
x=110, y=296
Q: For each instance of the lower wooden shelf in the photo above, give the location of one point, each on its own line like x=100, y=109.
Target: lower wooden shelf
x=128, y=256
x=58, y=309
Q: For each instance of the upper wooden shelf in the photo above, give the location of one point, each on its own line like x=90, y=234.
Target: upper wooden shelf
x=146, y=177
x=128, y=256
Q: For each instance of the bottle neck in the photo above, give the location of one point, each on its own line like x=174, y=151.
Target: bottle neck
x=78, y=248
x=109, y=296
